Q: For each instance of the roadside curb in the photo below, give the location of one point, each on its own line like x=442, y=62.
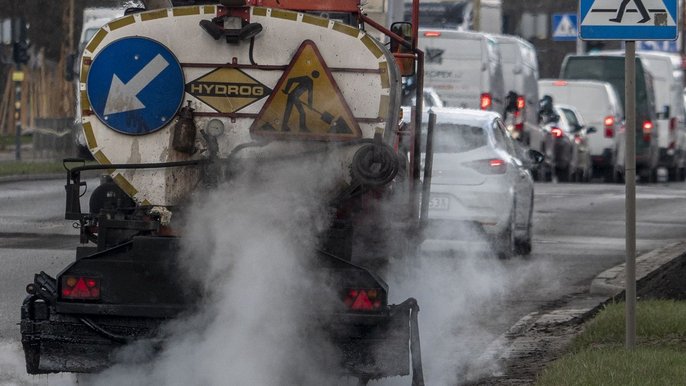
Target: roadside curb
x=537, y=339
x=611, y=281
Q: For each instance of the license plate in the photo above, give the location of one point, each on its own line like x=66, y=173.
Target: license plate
x=439, y=202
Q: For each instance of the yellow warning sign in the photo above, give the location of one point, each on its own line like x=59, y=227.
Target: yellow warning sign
x=307, y=103
x=227, y=90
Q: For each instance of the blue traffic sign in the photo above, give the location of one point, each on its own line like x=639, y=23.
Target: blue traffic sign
x=564, y=27
x=135, y=85
x=628, y=19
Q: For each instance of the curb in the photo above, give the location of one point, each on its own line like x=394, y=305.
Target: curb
x=515, y=357
x=611, y=282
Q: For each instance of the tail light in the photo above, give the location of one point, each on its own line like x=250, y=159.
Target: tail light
x=519, y=122
x=80, y=288
x=556, y=132
x=609, y=122
x=521, y=103
x=488, y=166
x=432, y=34
x=368, y=299
x=672, y=124
x=486, y=101
x=559, y=83
x=647, y=129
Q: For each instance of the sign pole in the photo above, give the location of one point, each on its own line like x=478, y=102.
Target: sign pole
x=630, y=178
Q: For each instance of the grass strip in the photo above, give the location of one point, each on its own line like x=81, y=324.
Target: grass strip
x=14, y=168
x=598, y=357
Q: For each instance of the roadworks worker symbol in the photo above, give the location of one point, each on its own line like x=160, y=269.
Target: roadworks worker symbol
x=307, y=103
x=227, y=90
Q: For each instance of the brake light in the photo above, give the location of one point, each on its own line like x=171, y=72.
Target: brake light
x=488, y=166
x=521, y=103
x=519, y=127
x=486, y=101
x=609, y=126
x=556, y=132
x=559, y=83
x=672, y=124
x=364, y=299
x=432, y=34
x=80, y=287
x=647, y=129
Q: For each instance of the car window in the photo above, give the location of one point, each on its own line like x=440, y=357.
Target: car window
x=571, y=118
x=504, y=141
x=457, y=138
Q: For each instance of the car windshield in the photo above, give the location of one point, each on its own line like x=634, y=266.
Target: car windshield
x=457, y=138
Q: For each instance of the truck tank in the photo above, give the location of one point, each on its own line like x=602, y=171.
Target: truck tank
x=176, y=99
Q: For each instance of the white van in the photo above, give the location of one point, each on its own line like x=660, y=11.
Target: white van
x=464, y=68
x=601, y=107
x=668, y=81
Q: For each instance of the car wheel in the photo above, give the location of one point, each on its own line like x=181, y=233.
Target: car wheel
x=562, y=174
x=505, y=242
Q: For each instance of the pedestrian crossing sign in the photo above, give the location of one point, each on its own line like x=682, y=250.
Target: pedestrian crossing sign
x=306, y=103
x=628, y=19
x=564, y=27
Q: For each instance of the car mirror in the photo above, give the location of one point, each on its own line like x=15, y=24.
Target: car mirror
x=591, y=130
x=535, y=156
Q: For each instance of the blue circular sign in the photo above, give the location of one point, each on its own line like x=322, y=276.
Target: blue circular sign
x=135, y=85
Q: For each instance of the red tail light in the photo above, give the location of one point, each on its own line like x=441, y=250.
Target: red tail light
x=432, y=34
x=672, y=124
x=80, y=287
x=488, y=166
x=486, y=101
x=521, y=103
x=556, y=132
x=609, y=126
x=364, y=299
x=559, y=83
x=647, y=129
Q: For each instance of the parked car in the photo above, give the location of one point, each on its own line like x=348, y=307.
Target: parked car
x=601, y=108
x=668, y=79
x=464, y=68
x=610, y=68
x=480, y=181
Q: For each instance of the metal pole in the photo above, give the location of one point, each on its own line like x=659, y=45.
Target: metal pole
x=17, y=117
x=477, y=15
x=630, y=178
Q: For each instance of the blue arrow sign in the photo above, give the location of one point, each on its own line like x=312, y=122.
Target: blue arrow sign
x=135, y=85
x=564, y=27
x=628, y=19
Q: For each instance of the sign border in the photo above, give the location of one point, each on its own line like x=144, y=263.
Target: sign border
x=628, y=32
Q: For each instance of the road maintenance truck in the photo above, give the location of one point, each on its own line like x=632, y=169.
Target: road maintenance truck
x=173, y=98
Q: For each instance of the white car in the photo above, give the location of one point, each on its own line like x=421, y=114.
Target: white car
x=481, y=183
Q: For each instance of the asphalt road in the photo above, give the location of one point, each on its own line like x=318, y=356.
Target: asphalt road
x=578, y=233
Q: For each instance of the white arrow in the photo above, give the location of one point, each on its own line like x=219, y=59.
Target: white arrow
x=122, y=97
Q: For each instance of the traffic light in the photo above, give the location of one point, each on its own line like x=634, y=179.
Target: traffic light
x=21, y=52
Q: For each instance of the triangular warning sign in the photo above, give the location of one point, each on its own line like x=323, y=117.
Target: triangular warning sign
x=306, y=103
x=565, y=28
x=636, y=13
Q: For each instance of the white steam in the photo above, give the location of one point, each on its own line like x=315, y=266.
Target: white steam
x=13, y=369
x=248, y=243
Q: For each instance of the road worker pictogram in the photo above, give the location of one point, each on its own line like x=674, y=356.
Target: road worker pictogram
x=306, y=102
x=227, y=90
